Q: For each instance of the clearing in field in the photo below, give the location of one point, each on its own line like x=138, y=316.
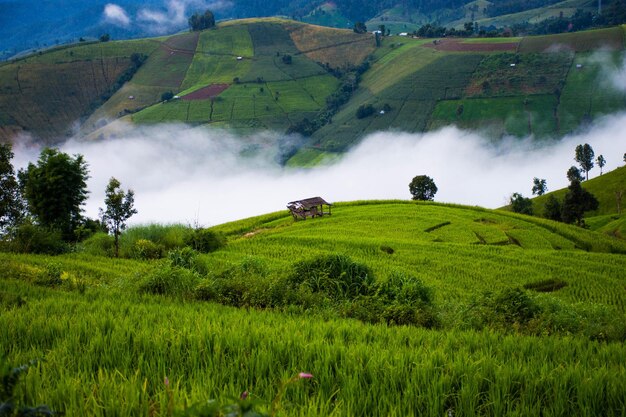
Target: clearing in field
x=207, y=92
x=507, y=74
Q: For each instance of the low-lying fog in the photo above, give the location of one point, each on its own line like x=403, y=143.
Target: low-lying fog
x=209, y=177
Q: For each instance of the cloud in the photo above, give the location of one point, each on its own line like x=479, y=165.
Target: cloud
x=180, y=174
x=175, y=13
x=116, y=15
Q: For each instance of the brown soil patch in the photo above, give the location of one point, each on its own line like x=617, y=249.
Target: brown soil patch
x=207, y=92
x=456, y=45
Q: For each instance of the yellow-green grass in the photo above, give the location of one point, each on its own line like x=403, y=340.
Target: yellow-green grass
x=108, y=353
x=612, y=38
x=106, y=349
x=512, y=39
x=215, y=60
x=520, y=116
x=603, y=187
x=588, y=92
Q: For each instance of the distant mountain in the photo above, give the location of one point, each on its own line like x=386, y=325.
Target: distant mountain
x=332, y=86
x=29, y=25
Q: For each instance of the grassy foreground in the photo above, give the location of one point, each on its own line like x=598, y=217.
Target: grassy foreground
x=107, y=347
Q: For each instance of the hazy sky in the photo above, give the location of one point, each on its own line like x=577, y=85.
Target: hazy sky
x=195, y=175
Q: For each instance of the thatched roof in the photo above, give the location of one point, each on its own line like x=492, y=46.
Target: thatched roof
x=308, y=203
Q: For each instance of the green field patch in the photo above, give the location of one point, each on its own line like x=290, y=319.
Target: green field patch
x=215, y=59
x=272, y=68
x=269, y=38
x=506, y=74
x=519, y=116
x=92, y=51
x=291, y=96
x=165, y=68
x=610, y=38
x=588, y=92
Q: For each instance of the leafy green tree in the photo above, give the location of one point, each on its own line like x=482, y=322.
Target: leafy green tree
x=601, y=162
x=359, y=27
x=584, y=157
x=574, y=174
x=552, y=209
x=577, y=201
x=11, y=207
x=105, y=38
x=365, y=110
x=55, y=189
x=422, y=187
x=203, y=21
x=539, y=186
x=119, y=208
x=167, y=96
x=521, y=204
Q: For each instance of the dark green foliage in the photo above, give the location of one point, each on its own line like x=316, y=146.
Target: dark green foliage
x=574, y=174
x=167, y=96
x=422, y=187
x=546, y=285
x=203, y=21
x=521, y=204
x=508, y=309
x=584, y=157
x=11, y=207
x=365, y=110
x=205, y=240
x=387, y=249
x=577, y=201
x=105, y=37
x=32, y=238
x=287, y=59
x=119, y=208
x=552, y=209
x=56, y=189
x=601, y=162
x=539, y=186
x=359, y=27
x=334, y=275
x=167, y=280
x=400, y=300
x=9, y=407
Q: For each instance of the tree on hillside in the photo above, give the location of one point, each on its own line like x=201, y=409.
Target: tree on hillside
x=204, y=21
x=574, y=174
x=539, y=186
x=624, y=157
x=577, y=201
x=105, y=38
x=11, y=207
x=584, y=157
x=167, y=96
x=552, y=209
x=601, y=162
x=422, y=187
x=359, y=27
x=119, y=208
x=521, y=204
x=55, y=189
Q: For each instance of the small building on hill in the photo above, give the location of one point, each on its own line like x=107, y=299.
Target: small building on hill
x=309, y=207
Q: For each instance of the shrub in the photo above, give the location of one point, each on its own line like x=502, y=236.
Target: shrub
x=167, y=280
x=335, y=275
x=364, y=110
x=404, y=289
x=50, y=276
x=546, y=285
x=99, y=244
x=146, y=249
x=205, y=240
x=31, y=238
x=187, y=258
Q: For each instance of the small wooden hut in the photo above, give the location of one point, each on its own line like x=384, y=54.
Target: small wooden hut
x=309, y=207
